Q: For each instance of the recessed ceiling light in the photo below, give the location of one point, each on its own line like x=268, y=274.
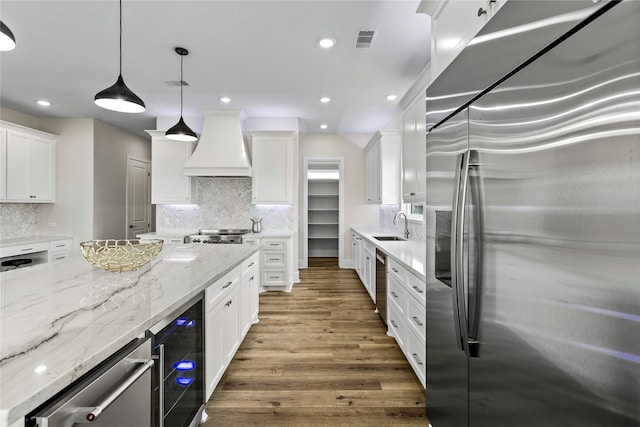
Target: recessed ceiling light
x=327, y=42
x=325, y=99
x=43, y=102
x=323, y=126
x=225, y=99
x=391, y=97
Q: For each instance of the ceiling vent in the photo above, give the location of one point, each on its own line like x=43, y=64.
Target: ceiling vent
x=364, y=39
x=176, y=83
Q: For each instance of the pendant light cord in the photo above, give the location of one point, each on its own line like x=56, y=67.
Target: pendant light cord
x=120, y=37
x=181, y=83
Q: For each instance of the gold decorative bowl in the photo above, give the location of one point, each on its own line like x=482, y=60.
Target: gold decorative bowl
x=120, y=255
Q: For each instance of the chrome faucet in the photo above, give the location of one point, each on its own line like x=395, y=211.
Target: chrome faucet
x=406, y=227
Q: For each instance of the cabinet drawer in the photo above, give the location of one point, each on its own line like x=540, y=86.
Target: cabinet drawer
x=397, y=294
x=416, y=353
x=60, y=245
x=397, y=326
x=417, y=288
x=273, y=259
x=394, y=269
x=273, y=244
x=251, y=262
x=416, y=317
x=274, y=277
x=24, y=249
x=220, y=287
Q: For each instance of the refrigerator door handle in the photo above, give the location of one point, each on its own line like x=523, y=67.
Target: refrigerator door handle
x=457, y=251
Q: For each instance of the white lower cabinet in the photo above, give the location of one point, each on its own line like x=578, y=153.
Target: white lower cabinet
x=231, y=308
x=59, y=250
x=407, y=315
x=275, y=262
x=370, y=270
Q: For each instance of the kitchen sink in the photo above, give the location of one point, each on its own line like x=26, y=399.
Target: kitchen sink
x=384, y=238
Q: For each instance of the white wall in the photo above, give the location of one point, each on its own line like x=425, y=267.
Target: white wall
x=13, y=116
x=111, y=148
x=356, y=211
x=72, y=213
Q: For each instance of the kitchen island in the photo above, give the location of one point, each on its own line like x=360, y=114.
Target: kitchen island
x=60, y=320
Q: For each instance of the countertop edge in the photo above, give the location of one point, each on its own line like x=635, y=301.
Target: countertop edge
x=388, y=247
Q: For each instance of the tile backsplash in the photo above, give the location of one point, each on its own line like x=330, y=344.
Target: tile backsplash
x=18, y=220
x=417, y=230
x=222, y=203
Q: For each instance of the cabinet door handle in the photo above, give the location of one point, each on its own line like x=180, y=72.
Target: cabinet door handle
x=394, y=324
x=394, y=294
x=251, y=278
x=251, y=265
x=227, y=285
x=415, y=356
x=394, y=270
x=412, y=194
x=418, y=322
x=418, y=290
x=482, y=11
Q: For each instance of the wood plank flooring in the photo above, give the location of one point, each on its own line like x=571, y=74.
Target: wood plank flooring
x=319, y=356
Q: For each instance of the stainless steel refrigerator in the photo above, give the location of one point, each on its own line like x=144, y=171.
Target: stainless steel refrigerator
x=533, y=228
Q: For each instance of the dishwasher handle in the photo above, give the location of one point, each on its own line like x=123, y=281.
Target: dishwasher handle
x=85, y=415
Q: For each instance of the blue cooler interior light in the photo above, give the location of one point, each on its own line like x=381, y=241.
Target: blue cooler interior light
x=180, y=321
x=184, y=381
x=184, y=365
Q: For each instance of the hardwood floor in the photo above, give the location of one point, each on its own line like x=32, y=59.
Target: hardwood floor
x=319, y=356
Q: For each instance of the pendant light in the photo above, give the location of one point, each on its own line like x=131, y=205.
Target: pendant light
x=181, y=132
x=7, y=40
x=119, y=97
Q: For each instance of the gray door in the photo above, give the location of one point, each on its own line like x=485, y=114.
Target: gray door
x=559, y=152
x=447, y=367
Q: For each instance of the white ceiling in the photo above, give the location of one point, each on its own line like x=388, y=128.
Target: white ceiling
x=262, y=54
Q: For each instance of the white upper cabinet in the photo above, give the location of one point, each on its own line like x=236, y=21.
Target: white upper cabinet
x=272, y=156
x=382, y=157
x=28, y=163
x=454, y=23
x=169, y=185
x=414, y=162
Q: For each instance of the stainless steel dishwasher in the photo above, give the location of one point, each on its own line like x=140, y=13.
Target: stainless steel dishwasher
x=381, y=284
x=116, y=393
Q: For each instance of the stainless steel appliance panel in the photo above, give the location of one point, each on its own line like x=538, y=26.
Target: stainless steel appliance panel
x=558, y=146
x=381, y=284
x=115, y=394
x=447, y=366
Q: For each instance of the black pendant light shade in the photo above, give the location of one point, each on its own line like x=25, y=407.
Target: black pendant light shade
x=7, y=39
x=119, y=97
x=181, y=132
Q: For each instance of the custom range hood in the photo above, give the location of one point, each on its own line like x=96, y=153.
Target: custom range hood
x=222, y=149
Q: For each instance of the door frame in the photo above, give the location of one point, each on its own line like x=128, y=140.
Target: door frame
x=126, y=202
x=305, y=209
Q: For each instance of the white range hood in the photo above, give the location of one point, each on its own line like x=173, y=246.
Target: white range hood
x=222, y=149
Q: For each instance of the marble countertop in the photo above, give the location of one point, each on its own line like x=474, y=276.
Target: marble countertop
x=59, y=320
x=411, y=254
x=5, y=243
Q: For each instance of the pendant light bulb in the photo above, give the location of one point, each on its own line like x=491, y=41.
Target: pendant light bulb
x=180, y=131
x=119, y=97
x=7, y=39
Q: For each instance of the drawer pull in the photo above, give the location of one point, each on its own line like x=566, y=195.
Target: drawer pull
x=418, y=290
x=227, y=285
x=61, y=257
x=61, y=246
x=274, y=277
x=274, y=244
x=251, y=278
x=394, y=294
x=274, y=259
x=418, y=322
x=251, y=265
x=482, y=11
x=26, y=249
x=394, y=324
x=394, y=270
x=415, y=356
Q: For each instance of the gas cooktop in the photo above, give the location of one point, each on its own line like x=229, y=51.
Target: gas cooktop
x=228, y=235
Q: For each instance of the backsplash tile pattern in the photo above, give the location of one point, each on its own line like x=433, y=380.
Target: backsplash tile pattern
x=18, y=220
x=222, y=203
x=417, y=230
